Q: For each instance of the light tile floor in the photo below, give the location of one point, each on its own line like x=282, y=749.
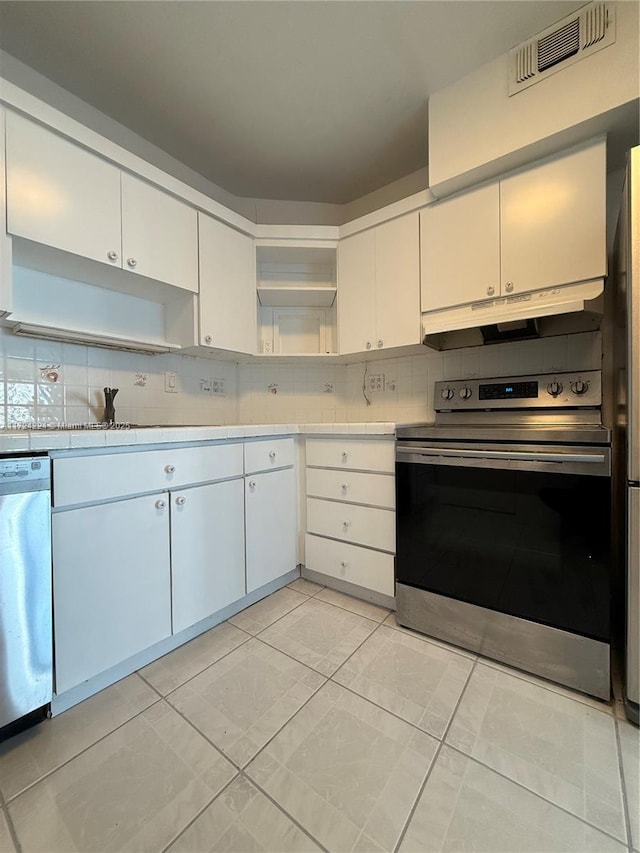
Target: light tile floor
x=312, y=721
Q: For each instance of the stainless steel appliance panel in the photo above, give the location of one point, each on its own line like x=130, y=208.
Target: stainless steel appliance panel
x=26, y=646
x=560, y=656
x=633, y=606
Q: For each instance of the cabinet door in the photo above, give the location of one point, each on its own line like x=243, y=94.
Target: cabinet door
x=111, y=581
x=398, y=282
x=228, y=311
x=357, y=292
x=553, y=222
x=159, y=235
x=61, y=195
x=460, y=246
x=207, y=550
x=271, y=526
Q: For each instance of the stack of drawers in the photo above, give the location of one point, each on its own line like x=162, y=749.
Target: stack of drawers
x=350, y=489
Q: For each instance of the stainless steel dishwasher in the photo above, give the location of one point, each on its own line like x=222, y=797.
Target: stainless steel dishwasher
x=26, y=637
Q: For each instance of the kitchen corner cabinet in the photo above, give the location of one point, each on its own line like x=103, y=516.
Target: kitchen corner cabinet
x=350, y=487
x=270, y=510
x=379, y=287
x=63, y=196
x=227, y=318
x=543, y=226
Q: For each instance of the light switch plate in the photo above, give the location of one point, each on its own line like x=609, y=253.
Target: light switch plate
x=170, y=382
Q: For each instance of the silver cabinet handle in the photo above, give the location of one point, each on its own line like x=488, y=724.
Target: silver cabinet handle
x=368, y=344
x=207, y=339
x=344, y=564
x=252, y=484
x=113, y=256
x=272, y=455
x=509, y=286
x=344, y=455
x=160, y=504
x=131, y=262
x=491, y=290
x=380, y=343
x=344, y=487
x=169, y=469
x=346, y=524
x=180, y=501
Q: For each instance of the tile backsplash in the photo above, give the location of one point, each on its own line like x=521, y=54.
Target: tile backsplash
x=44, y=382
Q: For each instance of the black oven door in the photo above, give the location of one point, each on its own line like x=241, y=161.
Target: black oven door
x=530, y=540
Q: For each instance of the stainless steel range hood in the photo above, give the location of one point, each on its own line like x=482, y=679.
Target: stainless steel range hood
x=557, y=310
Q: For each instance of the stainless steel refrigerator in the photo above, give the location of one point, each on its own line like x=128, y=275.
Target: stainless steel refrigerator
x=626, y=418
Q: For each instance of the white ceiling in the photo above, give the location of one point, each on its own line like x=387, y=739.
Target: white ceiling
x=312, y=101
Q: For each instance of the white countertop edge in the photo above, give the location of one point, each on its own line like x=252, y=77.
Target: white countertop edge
x=19, y=441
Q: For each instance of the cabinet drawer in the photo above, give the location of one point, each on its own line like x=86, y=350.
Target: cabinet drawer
x=369, y=569
x=372, y=489
x=355, y=454
x=359, y=524
x=271, y=453
x=94, y=478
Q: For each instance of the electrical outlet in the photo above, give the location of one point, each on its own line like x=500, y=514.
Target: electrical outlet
x=170, y=382
x=375, y=382
x=390, y=385
x=267, y=346
x=205, y=386
x=217, y=386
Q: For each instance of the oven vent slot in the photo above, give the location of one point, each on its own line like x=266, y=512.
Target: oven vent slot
x=568, y=41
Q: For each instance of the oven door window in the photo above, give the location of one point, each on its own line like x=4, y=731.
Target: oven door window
x=530, y=544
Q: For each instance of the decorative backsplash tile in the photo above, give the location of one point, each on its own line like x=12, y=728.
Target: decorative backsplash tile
x=258, y=392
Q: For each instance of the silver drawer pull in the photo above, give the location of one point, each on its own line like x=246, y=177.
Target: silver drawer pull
x=252, y=484
x=160, y=504
x=272, y=455
x=346, y=524
x=343, y=564
x=113, y=256
x=132, y=262
x=344, y=487
x=344, y=455
x=169, y=469
x=181, y=501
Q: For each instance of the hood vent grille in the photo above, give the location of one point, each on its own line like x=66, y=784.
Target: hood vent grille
x=564, y=43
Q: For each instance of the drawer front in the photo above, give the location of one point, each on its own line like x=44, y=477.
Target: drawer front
x=354, y=454
x=369, y=569
x=82, y=479
x=358, y=524
x=355, y=487
x=268, y=454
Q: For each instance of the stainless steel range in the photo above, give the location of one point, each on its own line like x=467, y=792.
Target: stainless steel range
x=503, y=524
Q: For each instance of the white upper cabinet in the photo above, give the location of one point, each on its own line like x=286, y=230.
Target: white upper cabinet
x=356, y=292
x=61, y=195
x=553, y=222
x=542, y=227
x=460, y=239
x=379, y=287
x=159, y=235
x=227, y=287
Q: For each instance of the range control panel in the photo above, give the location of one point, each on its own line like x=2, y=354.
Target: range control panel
x=542, y=391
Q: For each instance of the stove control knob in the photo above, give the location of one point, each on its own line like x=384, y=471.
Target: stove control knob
x=465, y=392
x=447, y=393
x=554, y=388
x=579, y=387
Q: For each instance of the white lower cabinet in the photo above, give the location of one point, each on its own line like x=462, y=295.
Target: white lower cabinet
x=350, y=531
x=112, y=585
x=271, y=525
x=207, y=550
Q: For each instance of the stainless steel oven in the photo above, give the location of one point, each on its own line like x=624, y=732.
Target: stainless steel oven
x=503, y=525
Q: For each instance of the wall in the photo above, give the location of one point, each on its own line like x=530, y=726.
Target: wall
x=28, y=396
x=327, y=393
x=476, y=131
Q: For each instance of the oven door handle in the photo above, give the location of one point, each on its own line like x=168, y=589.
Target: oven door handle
x=507, y=455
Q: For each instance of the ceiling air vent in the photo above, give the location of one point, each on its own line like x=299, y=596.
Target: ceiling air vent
x=568, y=41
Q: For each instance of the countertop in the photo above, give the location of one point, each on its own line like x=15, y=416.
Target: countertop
x=42, y=440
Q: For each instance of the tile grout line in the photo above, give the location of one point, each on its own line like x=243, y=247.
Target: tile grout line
x=295, y=607
x=536, y=794
x=87, y=748
x=623, y=785
x=4, y=810
x=434, y=761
